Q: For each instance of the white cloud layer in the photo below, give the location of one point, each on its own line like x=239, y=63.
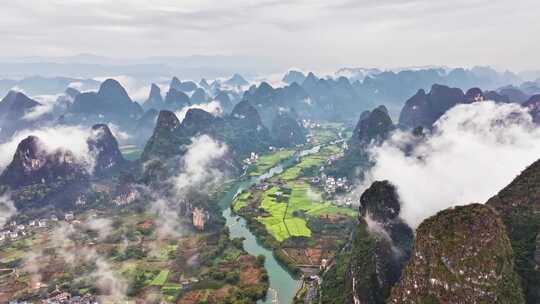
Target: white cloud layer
x=475, y=151
x=47, y=102
x=199, y=174
x=121, y=136
x=7, y=209
x=72, y=138
x=212, y=107
x=199, y=165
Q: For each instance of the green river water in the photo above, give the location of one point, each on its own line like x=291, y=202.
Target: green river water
x=283, y=285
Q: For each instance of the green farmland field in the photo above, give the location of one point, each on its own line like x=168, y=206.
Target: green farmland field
x=282, y=222
x=161, y=278
x=268, y=161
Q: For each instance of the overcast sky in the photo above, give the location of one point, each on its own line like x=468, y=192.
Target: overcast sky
x=301, y=33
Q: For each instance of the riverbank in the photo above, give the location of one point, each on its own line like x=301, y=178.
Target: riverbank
x=282, y=284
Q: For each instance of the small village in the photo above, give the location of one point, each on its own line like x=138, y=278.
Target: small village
x=60, y=297
x=14, y=231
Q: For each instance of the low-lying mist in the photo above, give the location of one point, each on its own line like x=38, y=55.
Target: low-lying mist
x=72, y=138
x=212, y=107
x=473, y=152
x=199, y=173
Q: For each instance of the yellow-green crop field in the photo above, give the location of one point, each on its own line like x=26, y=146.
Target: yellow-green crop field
x=268, y=161
x=308, y=161
x=241, y=201
x=282, y=222
x=161, y=278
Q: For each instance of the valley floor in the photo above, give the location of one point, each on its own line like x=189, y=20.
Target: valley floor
x=116, y=254
x=129, y=262
x=297, y=213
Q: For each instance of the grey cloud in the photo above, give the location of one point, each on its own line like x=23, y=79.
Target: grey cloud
x=309, y=34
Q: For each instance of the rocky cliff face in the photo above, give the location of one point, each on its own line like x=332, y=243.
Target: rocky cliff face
x=424, y=109
x=110, y=104
x=145, y=126
x=155, y=100
x=103, y=145
x=533, y=104
x=13, y=108
x=32, y=164
x=204, y=84
x=187, y=86
x=380, y=248
x=40, y=178
x=519, y=206
x=262, y=95
x=113, y=92
x=461, y=255
x=250, y=134
x=242, y=131
x=474, y=95
x=269, y=101
x=337, y=99
x=72, y=92
x=497, y=97
x=310, y=81
x=175, y=84
x=224, y=100
x=372, y=127
x=287, y=131
x=244, y=111
x=477, y=95
x=537, y=252
x=514, y=94
x=16, y=102
x=37, y=178
x=198, y=121
x=163, y=143
x=199, y=96
x=176, y=100
x=294, y=76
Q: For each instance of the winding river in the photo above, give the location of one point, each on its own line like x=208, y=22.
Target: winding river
x=283, y=285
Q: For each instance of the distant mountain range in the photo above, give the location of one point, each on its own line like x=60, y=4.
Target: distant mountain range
x=307, y=95
x=487, y=253
x=38, y=85
x=242, y=130
x=150, y=68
